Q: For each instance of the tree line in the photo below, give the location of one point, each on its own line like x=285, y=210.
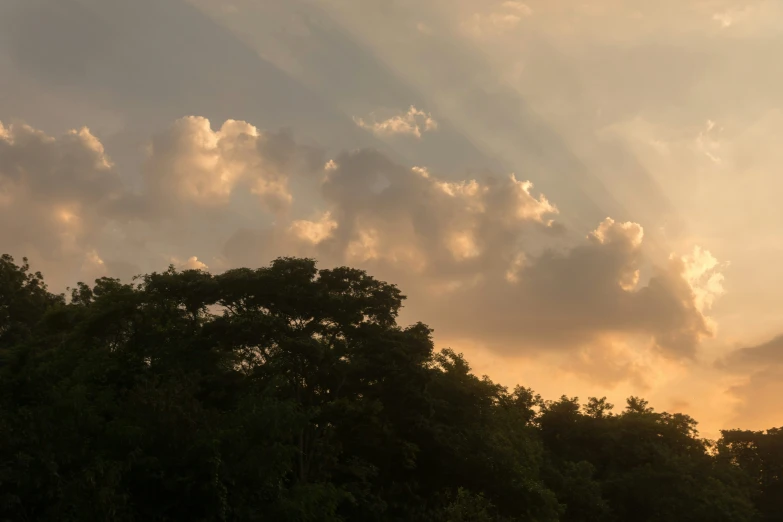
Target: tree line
x=290, y=393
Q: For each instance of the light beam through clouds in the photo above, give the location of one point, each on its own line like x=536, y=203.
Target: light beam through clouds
x=483, y=259
x=528, y=124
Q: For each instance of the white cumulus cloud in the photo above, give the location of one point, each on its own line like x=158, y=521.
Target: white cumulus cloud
x=414, y=123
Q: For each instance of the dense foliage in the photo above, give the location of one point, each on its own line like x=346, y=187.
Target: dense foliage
x=289, y=393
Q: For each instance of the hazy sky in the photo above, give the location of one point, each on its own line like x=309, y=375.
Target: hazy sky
x=583, y=197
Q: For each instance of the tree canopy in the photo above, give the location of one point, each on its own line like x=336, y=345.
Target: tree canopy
x=290, y=393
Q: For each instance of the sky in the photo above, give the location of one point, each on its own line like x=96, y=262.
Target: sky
x=581, y=197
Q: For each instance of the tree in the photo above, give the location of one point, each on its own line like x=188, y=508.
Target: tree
x=760, y=455
x=290, y=393
x=23, y=301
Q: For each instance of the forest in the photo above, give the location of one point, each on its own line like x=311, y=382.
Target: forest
x=290, y=393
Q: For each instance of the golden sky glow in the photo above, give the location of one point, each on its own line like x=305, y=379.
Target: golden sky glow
x=581, y=196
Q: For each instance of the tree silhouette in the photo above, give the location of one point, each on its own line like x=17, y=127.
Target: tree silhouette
x=290, y=393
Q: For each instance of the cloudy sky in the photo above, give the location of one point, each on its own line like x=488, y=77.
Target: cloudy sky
x=583, y=197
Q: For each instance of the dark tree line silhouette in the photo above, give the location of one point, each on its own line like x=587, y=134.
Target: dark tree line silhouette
x=288, y=393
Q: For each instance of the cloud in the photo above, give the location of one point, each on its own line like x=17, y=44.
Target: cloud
x=479, y=25
x=63, y=204
x=565, y=300
x=758, y=399
x=725, y=19
x=701, y=271
x=754, y=15
x=758, y=356
x=93, y=266
x=191, y=263
x=192, y=163
x=414, y=123
x=314, y=231
x=384, y=212
x=483, y=259
x=759, y=372
x=609, y=363
x=55, y=195
x=469, y=253
x=497, y=22
x=73, y=168
x=668, y=67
